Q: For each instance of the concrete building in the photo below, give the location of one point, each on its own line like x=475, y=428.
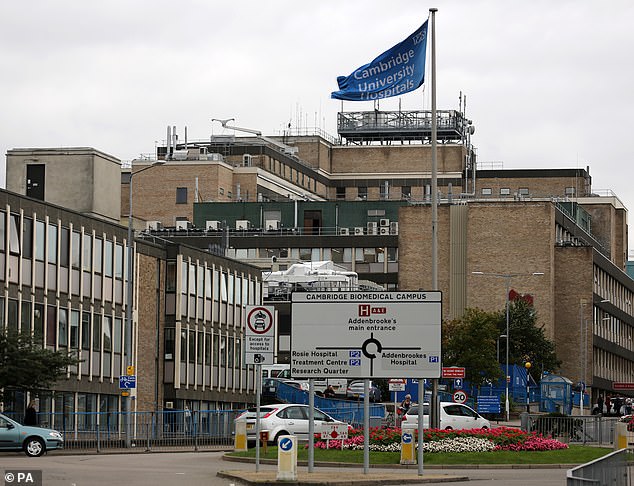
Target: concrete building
x=64, y=280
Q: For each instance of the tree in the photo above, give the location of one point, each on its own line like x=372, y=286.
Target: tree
x=25, y=365
x=528, y=341
x=470, y=342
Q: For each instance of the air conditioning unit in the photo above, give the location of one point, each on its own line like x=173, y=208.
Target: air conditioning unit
x=212, y=225
x=384, y=230
x=373, y=228
x=182, y=225
x=358, y=231
x=271, y=225
x=153, y=225
x=169, y=405
x=247, y=160
x=243, y=224
x=344, y=231
x=394, y=228
x=384, y=222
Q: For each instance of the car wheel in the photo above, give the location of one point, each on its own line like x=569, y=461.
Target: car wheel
x=278, y=435
x=34, y=447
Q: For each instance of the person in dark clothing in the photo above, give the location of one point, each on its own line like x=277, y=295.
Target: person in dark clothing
x=330, y=392
x=600, y=404
x=30, y=416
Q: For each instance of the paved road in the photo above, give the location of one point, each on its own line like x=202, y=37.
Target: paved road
x=199, y=469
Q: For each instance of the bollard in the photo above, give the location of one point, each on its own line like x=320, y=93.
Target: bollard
x=408, y=443
x=264, y=439
x=240, y=443
x=287, y=458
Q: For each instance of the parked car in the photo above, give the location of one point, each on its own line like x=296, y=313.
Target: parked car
x=452, y=416
x=34, y=441
x=355, y=391
x=284, y=419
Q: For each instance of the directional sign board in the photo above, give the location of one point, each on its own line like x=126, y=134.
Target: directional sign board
x=366, y=334
x=489, y=404
x=259, y=335
x=127, y=382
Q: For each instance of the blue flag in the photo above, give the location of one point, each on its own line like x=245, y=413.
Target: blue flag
x=398, y=70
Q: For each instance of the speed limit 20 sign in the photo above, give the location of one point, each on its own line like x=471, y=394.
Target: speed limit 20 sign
x=259, y=334
x=459, y=396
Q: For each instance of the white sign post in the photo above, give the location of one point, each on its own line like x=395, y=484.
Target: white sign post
x=366, y=334
x=259, y=335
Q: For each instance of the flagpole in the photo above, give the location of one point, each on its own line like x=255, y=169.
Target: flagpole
x=434, y=244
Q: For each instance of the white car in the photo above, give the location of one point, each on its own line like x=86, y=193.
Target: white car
x=453, y=416
x=284, y=419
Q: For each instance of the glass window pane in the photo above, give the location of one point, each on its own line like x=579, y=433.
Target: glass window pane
x=85, y=330
x=118, y=326
x=107, y=333
x=98, y=261
x=52, y=244
x=2, y=229
x=14, y=234
x=76, y=252
x=27, y=238
x=118, y=261
x=74, y=329
x=108, y=259
x=96, y=332
x=87, y=247
x=64, y=247
x=63, y=328
x=40, y=234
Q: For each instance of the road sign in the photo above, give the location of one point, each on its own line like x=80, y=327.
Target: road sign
x=453, y=372
x=489, y=404
x=127, y=382
x=259, y=335
x=459, y=396
x=396, y=384
x=622, y=385
x=334, y=431
x=366, y=334
x=457, y=383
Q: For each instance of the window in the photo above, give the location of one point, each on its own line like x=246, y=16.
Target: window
x=27, y=238
x=96, y=333
x=108, y=263
x=14, y=234
x=2, y=230
x=74, y=329
x=87, y=252
x=486, y=191
x=52, y=243
x=76, y=253
x=107, y=333
x=341, y=193
x=523, y=191
x=505, y=191
x=570, y=191
x=118, y=326
x=181, y=195
x=406, y=192
x=40, y=234
x=118, y=265
x=85, y=330
x=170, y=334
x=62, y=340
x=64, y=247
x=98, y=255
x=362, y=192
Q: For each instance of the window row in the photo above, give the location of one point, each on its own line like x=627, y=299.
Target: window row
x=205, y=346
x=337, y=255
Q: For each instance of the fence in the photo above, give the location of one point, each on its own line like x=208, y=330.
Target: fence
x=197, y=429
x=615, y=469
x=592, y=429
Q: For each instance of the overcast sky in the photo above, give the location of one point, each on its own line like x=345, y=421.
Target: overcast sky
x=548, y=83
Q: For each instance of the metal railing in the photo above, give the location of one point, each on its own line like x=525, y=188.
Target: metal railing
x=586, y=429
x=615, y=469
x=195, y=429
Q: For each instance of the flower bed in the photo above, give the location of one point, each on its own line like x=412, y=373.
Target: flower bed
x=436, y=440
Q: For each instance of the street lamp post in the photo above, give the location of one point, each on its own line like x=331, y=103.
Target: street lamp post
x=508, y=277
x=528, y=365
x=127, y=408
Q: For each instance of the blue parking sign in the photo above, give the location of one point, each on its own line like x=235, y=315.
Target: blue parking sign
x=127, y=382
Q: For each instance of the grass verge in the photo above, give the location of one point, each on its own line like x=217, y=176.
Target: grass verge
x=573, y=455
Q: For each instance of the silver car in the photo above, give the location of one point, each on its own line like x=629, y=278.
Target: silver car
x=34, y=441
x=284, y=419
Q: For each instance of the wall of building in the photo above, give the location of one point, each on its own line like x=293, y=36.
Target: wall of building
x=93, y=175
